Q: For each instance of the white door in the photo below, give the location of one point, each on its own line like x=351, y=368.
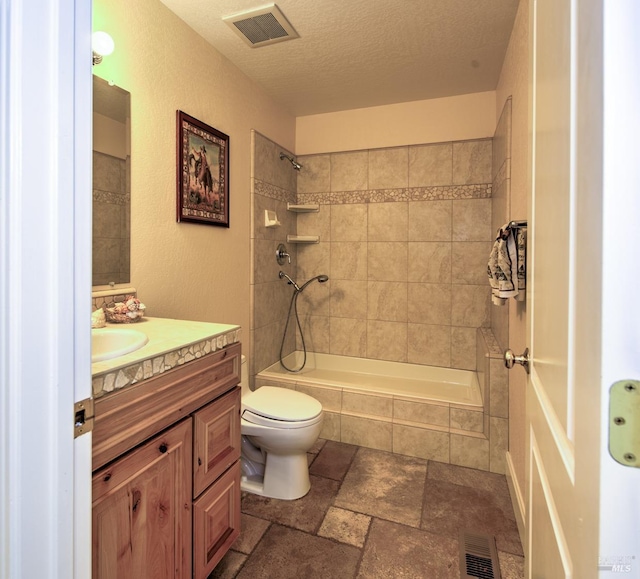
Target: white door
x=45, y=281
x=583, y=507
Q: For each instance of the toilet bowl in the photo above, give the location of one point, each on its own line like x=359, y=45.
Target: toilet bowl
x=278, y=427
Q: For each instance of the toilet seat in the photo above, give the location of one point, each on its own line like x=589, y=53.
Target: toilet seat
x=276, y=424
x=281, y=408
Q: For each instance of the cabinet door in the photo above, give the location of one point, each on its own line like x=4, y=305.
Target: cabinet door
x=216, y=522
x=142, y=511
x=216, y=439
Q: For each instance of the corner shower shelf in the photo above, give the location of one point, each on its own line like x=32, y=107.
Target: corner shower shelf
x=308, y=208
x=303, y=238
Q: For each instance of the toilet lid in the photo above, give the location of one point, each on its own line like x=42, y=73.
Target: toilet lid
x=282, y=404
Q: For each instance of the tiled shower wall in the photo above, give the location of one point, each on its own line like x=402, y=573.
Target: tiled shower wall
x=405, y=234
x=111, y=219
x=501, y=177
x=273, y=184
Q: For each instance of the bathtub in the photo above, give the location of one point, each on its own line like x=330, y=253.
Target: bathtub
x=446, y=415
x=410, y=381
x=419, y=411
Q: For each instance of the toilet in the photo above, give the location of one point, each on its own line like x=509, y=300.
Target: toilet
x=278, y=427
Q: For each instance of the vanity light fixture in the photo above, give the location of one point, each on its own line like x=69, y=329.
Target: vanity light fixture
x=102, y=45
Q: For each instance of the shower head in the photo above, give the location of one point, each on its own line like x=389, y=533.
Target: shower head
x=297, y=166
x=320, y=278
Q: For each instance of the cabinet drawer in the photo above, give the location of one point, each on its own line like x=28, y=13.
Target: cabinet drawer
x=127, y=418
x=216, y=522
x=216, y=446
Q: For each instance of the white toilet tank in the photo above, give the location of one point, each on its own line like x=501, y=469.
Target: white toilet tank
x=244, y=377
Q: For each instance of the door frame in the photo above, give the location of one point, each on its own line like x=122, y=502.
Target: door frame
x=45, y=286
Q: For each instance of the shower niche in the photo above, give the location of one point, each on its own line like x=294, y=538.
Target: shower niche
x=306, y=208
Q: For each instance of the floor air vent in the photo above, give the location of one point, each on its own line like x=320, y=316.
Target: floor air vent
x=478, y=556
x=263, y=26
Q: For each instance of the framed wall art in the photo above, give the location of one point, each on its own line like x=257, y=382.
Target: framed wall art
x=202, y=172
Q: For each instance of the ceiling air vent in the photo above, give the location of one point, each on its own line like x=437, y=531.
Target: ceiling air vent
x=262, y=26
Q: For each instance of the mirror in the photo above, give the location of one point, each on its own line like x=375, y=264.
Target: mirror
x=111, y=183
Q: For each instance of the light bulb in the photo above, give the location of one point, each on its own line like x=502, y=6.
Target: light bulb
x=102, y=43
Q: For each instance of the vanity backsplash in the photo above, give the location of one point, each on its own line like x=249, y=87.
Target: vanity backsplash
x=100, y=299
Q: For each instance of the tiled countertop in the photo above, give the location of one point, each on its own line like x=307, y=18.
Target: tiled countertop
x=171, y=343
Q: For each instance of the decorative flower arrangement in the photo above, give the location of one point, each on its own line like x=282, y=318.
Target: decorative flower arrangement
x=131, y=310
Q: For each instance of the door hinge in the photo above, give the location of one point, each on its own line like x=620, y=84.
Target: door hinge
x=83, y=417
x=624, y=422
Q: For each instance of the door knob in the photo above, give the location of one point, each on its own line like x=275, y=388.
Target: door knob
x=510, y=359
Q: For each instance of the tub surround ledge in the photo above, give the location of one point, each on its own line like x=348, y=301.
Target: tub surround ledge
x=171, y=343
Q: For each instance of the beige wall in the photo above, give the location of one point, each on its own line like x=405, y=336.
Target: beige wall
x=184, y=270
x=458, y=118
x=514, y=82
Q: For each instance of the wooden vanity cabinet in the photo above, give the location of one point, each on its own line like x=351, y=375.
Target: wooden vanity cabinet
x=166, y=483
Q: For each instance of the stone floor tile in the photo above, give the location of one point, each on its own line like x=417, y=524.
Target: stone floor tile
x=394, y=550
x=448, y=508
x=494, y=483
x=305, y=514
x=384, y=485
x=511, y=566
x=229, y=566
x=318, y=445
x=468, y=477
x=334, y=460
x=345, y=526
x=287, y=553
x=251, y=531
x=313, y=452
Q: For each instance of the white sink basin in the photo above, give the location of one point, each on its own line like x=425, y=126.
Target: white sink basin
x=108, y=343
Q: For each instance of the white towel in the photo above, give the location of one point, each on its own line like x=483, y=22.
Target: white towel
x=506, y=268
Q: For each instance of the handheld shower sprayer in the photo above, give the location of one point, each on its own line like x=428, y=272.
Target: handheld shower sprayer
x=297, y=290
x=297, y=166
x=282, y=275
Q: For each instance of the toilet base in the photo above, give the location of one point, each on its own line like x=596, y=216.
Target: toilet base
x=285, y=477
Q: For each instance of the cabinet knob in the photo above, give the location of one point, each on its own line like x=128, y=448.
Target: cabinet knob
x=163, y=448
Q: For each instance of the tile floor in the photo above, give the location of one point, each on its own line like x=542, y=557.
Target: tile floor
x=372, y=514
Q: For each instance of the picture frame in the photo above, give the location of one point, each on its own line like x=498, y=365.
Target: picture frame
x=202, y=172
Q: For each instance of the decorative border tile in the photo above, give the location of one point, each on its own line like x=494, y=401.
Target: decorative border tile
x=145, y=369
x=109, y=300
x=482, y=191
x=273, y=192
x=111, y=197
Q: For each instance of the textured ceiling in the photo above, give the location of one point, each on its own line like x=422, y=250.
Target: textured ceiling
x=363, y=53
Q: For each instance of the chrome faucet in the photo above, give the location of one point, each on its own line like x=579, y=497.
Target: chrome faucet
x=281, y=253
